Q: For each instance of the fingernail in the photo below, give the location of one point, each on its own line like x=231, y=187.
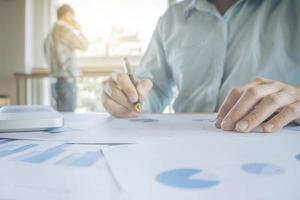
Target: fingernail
x=242, y=126
x=269, y=127
x=218, y=122
x=227, y=124
x=132, y=98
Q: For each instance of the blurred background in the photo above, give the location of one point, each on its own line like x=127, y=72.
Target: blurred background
x=114, y=29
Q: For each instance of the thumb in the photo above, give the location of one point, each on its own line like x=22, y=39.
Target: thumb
x=143, y=88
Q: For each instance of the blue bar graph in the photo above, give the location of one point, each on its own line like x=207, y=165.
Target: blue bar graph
x=26, y=152
x=46, y=155
x=24, y=156
x=69, y=159
x=88, y=159
x=7, y=152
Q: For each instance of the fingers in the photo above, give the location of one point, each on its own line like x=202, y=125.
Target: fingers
x=120, y=94
x=231, y=100
x=263, y=110
x=143, y=88
x=125, y=84
x=114, y=92
x=246, y=102
x=116, y=109
x=285, y=116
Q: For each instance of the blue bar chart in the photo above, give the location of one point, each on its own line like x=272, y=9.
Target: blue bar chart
x=9, y=151
x=40, y=157
x=81, y=159
x=58, y=154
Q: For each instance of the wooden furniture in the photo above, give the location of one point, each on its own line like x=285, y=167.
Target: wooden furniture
x=4, y=100
x=22, y=79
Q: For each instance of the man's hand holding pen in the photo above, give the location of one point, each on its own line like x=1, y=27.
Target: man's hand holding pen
x=121, y=95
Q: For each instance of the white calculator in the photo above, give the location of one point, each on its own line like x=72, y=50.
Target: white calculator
x=29, y=118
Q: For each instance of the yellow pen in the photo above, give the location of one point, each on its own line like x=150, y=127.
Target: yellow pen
x=137, y=105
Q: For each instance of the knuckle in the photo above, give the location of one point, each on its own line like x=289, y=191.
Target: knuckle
x=280, y=120
x=149, y=83
x=252, y=92
x=278, y=84
x=272, y=99
x=128, y=90
x=236, y=113
x=253, y=118
x=291, y=109
x=223, y=111
x=236, y=92
x=260, y=80
x=120, y=77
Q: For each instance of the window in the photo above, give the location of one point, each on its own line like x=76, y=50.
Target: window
x=116, y=27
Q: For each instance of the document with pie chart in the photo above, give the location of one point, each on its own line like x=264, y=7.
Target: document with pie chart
x=232, y=168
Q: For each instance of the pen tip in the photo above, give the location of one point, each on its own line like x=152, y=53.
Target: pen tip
x=138, y=107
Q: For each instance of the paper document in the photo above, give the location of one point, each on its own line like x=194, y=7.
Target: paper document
x=32, y=170
x=147, y=128
x=254, y=168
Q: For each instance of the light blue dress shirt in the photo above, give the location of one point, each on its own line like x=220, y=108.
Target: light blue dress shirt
x=202, y=55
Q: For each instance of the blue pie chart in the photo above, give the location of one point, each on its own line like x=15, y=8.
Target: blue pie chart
x=298, y=157
x=187, y=178
x=262, y=169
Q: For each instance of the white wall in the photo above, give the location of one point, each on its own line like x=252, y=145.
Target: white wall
x=12, y=43
x=23, y=26
x=40, y=26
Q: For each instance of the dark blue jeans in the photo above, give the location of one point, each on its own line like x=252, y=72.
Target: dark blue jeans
x=64, y=93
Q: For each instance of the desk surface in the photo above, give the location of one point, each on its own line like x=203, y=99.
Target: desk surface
x=69, y=163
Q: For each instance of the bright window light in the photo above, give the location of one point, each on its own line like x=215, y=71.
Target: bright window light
x=117, y=27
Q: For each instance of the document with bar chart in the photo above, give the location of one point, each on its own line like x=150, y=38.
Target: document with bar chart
x=55, y=170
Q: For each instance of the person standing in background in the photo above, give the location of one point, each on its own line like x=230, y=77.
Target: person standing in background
x=64, y=38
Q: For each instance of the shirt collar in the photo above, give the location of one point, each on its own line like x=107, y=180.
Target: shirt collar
x=197, y=5
x=191, y=6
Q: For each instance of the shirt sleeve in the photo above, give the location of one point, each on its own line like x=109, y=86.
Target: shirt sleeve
x=154, y=66
x=70, y=38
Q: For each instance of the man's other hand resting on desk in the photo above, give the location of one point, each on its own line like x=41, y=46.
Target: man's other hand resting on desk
x=267, y=102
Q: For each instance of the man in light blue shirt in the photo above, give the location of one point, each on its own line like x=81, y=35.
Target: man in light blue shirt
x=205, y=49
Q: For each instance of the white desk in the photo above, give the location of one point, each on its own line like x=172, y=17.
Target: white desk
x=47, y=165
